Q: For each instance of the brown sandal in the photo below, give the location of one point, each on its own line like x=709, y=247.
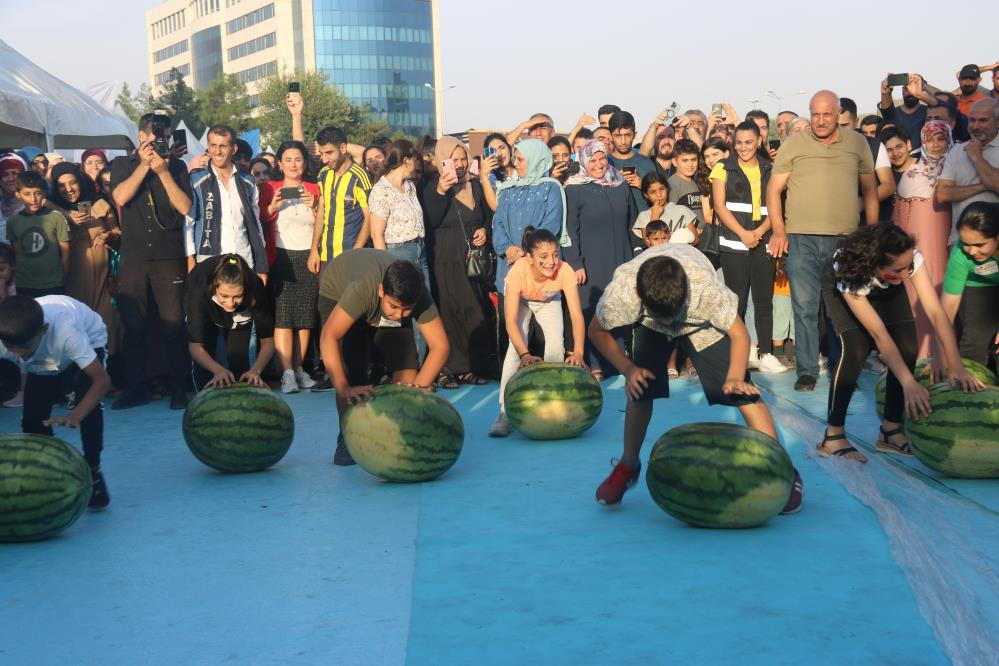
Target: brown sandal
x=826, y=452
x=447, y=381
x=884, y=446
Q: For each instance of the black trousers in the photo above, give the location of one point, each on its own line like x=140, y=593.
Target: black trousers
x=856, y=344
x=237, y=352
x=163, y=280
x=41, y=392
x=753, y=270
x=979, y=319
x=38, y=293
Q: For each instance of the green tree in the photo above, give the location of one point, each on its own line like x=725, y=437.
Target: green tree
x=325, y=104
x=181, y=101
x=135, y=105
x=225, y=102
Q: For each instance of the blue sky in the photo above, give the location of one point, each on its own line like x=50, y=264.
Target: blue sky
x=509, y=59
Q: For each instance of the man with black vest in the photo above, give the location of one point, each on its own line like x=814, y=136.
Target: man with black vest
x=154, y=193
x=224, y=217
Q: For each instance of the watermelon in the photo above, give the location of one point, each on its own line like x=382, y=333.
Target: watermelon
x=986, y=376
x=961, y=436
x=403, y=434
x=552, y=401
x=719, y=475
x=238, y=429
x=45, y=485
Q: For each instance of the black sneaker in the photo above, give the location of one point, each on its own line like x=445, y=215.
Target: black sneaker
x=342, y=456
x=99, y=497
x=178, y=399
x=805, y=383
x=793, y=504
x=131, y=399
x=323, y=386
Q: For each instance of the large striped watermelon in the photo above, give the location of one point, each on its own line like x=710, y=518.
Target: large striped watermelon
x=552, y=401
x=45, y=485
x=404, y=434
x=719, y=475
x=974, y=367
x=961, y=436
x=240, y=428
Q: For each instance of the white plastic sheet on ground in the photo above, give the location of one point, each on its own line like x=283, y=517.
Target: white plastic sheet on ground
x=947, y=545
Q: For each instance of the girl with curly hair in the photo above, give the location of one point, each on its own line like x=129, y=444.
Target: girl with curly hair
x=864, y=291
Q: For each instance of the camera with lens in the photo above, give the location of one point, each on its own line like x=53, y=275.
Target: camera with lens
x=161, y=130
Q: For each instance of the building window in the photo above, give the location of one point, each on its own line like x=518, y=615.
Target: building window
x=206, y=7
x=206, y=52
x=258, y=72
x=163, y=77
x=171, y=23
x=252, y=46
x=254, y=99
x=253, y=18
x=170, y=51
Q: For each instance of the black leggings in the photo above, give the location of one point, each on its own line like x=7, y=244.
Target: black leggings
x=41, y=392
x=856, y=345
x=979, y=319
x=753, y=270
x=237, y=342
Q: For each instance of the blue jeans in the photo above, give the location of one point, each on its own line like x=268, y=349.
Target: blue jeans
x=416, y=253
x=806, y=256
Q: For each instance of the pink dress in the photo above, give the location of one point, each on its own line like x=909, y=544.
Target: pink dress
x=918, y=212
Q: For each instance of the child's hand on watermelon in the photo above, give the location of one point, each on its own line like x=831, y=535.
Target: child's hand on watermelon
x=576, y=359
x=356, y=394
x=253, y=379
x=221, y=379
x=917, y=399
x=529, y=359
x=967, y=381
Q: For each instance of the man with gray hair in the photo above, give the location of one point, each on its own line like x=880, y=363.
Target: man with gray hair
x=820, y=167
x=784, y=119
x=971, y=170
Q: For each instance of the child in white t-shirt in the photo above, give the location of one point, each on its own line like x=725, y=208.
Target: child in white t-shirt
x=681, y=222
x=55, y=339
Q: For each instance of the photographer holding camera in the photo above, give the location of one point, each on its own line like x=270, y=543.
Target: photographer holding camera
x=154, y=192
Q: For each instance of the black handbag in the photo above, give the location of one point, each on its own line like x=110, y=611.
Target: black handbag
x=480, y=262
x=707, y=242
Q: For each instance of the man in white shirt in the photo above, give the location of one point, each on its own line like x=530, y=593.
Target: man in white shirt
x=971, y=170
x=225, y=217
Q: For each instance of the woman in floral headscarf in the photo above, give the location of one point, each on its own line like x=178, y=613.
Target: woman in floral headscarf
x=10, y=165
x=599, y=216
x=918, y=212
x=92, y=161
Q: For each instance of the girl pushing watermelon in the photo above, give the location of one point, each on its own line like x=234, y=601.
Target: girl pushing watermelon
x=535, y=285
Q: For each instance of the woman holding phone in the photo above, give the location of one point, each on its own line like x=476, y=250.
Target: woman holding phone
x=496, y=167
x=290, y=207
x=93, y=230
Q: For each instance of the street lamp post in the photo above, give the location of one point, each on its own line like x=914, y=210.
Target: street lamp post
x=439, y=105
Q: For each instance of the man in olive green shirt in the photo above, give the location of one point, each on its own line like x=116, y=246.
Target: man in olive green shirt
x=820, y=168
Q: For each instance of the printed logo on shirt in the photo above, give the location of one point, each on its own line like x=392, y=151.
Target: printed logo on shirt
x=34, y=242
x=988, y=268
x=385, y=322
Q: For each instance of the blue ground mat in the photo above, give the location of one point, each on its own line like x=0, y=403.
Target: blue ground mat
x=505, y=559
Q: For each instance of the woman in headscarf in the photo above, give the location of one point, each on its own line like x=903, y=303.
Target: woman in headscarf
x=93, y=231
x=92, y=162
x=918, y=212
x=11, y=165
x=599, y=216
x=457, y=217
x=533, y=199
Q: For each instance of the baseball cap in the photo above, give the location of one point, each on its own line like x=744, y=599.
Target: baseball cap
x=969, y=72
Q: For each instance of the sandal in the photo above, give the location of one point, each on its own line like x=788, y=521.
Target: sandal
x=447, y=381
x=826, y=452
x=473, y=379
x=884, y=446
x=598, y=375
x=672, y=373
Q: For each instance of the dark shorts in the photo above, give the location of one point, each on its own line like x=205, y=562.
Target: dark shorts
x=651, y=350
x=363, y=344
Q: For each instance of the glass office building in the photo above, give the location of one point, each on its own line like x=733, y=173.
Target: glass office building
x=381, y=52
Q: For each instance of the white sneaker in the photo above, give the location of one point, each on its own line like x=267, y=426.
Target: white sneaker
x=874, y=365
x=303, y=378
x=500, y=427
x=754, y=359
x=288, y=383
x=770, y=363
x=823, y=364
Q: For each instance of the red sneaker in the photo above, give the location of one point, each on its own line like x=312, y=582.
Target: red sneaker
x=614, y=486
x=797, y=494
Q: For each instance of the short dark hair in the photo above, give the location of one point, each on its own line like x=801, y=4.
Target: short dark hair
x=748, y=126
x=687, y=147
x=21, y=318
x=870, y=120
x=662, y=287
x=584, y=133
x=147, y=121
x=608, y=108
x=949, y=96
x=621, y=120
x=403, y=281
x=261, y=160
x=244, y=150
x=223, y=130
x=28, y=179
x=893, y=132
x=559, y=140
x=656, y=226
x=758, y=113
x=7, y=255
x=331, y=135
x=951, y=110
x=848, y=105
x=654, y=177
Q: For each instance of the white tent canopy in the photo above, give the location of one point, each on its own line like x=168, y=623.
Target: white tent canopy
x=38, y=109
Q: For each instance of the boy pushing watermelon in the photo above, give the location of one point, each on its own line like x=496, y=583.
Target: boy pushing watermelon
x=673, y=293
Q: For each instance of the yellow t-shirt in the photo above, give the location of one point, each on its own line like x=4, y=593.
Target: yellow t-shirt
x=755, y=184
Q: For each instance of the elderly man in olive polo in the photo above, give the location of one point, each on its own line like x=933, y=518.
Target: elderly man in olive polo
x=820, y=168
